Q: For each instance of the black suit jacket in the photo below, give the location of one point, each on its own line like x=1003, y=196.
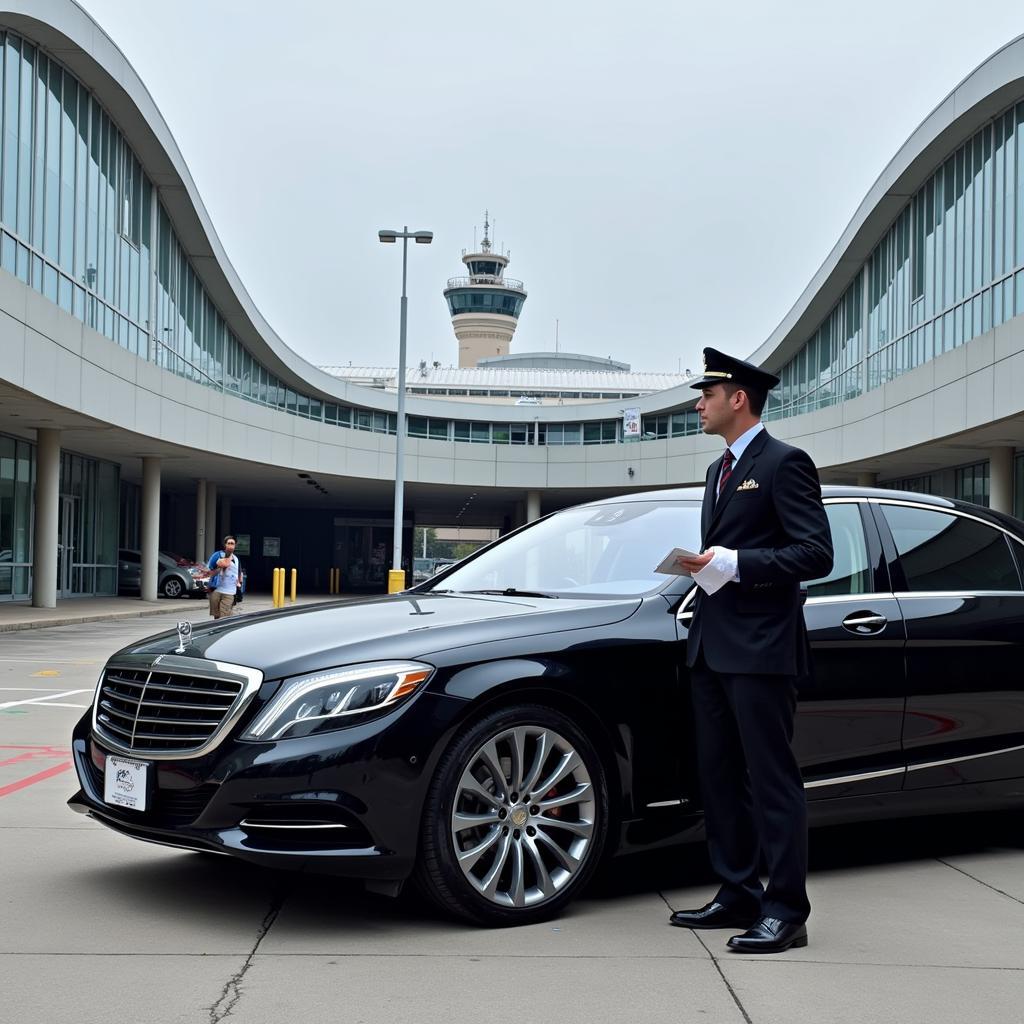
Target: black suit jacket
x=778, y=527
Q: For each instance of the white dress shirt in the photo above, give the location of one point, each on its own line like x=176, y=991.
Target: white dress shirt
x=724, y=566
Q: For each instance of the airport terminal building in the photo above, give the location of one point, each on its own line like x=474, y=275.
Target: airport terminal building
x=145, y=402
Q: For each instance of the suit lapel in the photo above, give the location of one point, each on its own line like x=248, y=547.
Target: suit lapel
x=739, y=473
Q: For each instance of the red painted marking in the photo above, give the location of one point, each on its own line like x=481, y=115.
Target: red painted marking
x=46, y=773
x=20, y=757
x=31, y=752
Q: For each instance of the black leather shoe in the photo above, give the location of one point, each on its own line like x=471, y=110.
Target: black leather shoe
x=714, y=915
x=770, y=935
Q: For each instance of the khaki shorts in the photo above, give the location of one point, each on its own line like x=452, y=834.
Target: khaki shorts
x=221, y=604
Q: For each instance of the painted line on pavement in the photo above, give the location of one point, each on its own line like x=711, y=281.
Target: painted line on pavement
x=31, y=780
x=37, y=700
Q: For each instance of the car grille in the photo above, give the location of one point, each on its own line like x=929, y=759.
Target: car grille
x=151, y=712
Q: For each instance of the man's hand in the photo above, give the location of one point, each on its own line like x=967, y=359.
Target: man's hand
x=693, y=565
x=223, y=563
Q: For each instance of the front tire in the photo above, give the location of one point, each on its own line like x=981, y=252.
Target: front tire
x=515, y=819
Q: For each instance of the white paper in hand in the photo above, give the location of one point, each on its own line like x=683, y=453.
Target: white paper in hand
x=670, y=563
x=716, y=573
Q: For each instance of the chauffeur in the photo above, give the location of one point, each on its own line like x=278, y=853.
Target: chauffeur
x=763, y=531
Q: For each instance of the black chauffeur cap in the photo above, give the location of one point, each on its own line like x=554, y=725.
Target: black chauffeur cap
x=719, y=368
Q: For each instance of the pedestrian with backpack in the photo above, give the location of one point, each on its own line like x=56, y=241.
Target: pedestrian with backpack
x=224, y=582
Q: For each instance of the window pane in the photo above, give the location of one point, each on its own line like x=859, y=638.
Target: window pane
x=851, y=569
x=940, y=551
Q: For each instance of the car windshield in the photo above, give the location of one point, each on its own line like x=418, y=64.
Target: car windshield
x=596, y=550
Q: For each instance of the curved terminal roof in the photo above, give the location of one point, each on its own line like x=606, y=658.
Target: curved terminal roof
x=81, y=44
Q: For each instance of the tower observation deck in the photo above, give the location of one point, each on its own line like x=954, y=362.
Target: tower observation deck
x=484, y=306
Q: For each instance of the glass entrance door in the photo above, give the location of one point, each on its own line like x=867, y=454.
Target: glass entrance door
x=68, y=545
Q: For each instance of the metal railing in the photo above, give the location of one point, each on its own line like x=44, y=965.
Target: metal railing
x=486, y=281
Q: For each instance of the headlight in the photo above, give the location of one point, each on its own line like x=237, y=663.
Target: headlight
x=328, y=700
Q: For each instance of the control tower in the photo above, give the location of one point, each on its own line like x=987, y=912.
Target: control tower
x=484, y=306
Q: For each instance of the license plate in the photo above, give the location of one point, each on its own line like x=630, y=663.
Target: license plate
x=125, y=783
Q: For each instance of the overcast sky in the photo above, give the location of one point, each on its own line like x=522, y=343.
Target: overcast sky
x=666, y=175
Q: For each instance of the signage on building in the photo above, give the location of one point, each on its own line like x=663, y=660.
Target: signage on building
x=242, y=544
x=271, y=547
x=631, y=425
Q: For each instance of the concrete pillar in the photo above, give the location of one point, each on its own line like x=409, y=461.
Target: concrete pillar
x=212, y=538
x=867, y=479
x=203, y=550
x=1000, y=480
x=149, y=532
x=532, y=506
x=47, y=529
x=225, y=517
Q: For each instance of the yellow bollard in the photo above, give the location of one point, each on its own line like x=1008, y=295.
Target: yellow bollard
x=278, y=587
x=295, y=583
x=274, y=590
x=396, y=581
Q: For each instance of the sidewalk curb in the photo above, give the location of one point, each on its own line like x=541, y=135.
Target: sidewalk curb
x=74, y=620
x=102, y=616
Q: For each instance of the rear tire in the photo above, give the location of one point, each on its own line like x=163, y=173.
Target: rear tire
x=515, y=819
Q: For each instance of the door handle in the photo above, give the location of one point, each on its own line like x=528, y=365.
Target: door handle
x=864, y=623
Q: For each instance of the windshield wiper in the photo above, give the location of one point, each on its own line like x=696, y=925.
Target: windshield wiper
x=512, y=592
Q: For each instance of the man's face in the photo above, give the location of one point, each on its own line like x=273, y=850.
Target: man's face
x=715, y=409
x=229, y=547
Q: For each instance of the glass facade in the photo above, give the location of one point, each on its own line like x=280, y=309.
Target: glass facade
x=16, y=484
x=949, y=268
x=87, y=523
x=972, y=483
x=88, y=527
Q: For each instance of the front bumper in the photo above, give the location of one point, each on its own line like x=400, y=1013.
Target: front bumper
x=346, y=802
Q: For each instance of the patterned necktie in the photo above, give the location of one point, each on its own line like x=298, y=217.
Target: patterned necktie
x=726, y=471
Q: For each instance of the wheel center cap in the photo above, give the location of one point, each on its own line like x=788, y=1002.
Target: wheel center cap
x=519, y=816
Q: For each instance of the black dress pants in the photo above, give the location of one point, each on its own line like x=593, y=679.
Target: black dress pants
x=754, y=802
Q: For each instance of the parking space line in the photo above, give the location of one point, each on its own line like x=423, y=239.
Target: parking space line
x=31, y=780
x=37, y=700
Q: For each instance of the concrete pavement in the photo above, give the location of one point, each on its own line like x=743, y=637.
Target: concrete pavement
x=17, y=615
x=914, y=922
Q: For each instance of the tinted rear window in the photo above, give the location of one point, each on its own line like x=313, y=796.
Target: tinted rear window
x=940, y=551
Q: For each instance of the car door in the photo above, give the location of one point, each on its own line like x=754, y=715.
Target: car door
x=958, y=583
x=849, y=721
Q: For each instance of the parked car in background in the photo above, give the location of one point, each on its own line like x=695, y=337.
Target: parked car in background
x=422, y=569
x=179, y=577
x=495, y=732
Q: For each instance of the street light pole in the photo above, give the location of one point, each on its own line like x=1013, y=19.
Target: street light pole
x=396, y=577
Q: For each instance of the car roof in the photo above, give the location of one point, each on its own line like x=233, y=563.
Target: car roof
x=696, y=493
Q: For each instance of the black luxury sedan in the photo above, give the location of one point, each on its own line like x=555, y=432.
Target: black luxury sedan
x=494, y=732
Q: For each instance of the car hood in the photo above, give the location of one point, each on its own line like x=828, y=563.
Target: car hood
x=311, y=637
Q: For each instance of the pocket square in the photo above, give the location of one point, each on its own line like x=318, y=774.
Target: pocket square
x=748, y=485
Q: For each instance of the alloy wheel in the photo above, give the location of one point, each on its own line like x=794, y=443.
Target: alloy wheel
x=523, y=819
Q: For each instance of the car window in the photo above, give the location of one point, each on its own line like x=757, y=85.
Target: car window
x=594, y=550
x=851, y=568
x=131, y=557
x=941, y=551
